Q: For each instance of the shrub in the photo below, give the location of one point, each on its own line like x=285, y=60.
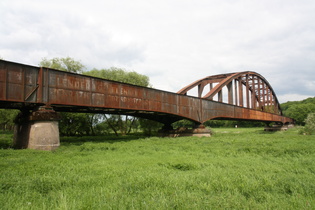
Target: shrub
x=309, y=128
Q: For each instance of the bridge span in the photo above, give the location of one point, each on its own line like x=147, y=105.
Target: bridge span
x=41, y=92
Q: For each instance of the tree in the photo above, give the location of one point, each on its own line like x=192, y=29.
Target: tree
x=299, y=112
x=81, y=124
x=7, y=117
x=120, y=75
x=309, y=128
x=71, y=123
x=63, y=64
x=119, y=123
x=149, y=127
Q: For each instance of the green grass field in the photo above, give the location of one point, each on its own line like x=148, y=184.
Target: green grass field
x=233, y=169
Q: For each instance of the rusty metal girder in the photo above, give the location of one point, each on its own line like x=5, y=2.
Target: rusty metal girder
x=23, y=86
x=258, y=93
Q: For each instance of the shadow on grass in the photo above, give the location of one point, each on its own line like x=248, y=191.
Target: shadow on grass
x=6, y=139
x=79, y=140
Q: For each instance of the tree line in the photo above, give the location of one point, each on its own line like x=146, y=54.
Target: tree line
x=100, y=124
x=92, y=124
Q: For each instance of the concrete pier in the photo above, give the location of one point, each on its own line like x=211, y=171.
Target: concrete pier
x=278, y=127
x=199, y=131
x=37, y=130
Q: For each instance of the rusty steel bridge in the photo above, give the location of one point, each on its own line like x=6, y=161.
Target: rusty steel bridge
x=241, y=96
x=249, y=96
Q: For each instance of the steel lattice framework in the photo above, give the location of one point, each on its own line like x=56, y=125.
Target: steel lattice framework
x=245, y=89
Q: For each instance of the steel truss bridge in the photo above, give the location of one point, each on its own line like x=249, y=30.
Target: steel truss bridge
x=248, y=96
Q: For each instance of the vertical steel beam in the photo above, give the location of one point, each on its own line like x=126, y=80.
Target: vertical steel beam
x=200, y=89
x=39, y=97
x=254, y=105
x=247, y=91
x=230, y=93
x=220, y=98
x=46, y=75
x=23, y=78
x=271, y=103
x=211, y=86
x=259, y=93
x=235, y=92
x=240, y=91
x=6, y=83
x=264, y=96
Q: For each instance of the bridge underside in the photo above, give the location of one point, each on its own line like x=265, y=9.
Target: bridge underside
x=42, y=91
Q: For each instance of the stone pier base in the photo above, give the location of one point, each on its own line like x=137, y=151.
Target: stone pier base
x=37, y=130
x=199, y=131
x=278, y=127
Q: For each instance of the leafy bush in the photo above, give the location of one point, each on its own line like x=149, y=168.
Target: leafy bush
x=309, y=128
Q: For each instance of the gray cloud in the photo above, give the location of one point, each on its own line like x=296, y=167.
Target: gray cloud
x=173, y=42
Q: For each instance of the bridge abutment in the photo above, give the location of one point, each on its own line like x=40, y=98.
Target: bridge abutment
x=37, y=130
x=278, y=127
x=198, y=131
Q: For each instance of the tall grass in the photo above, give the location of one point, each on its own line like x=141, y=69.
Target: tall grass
x=233, y=169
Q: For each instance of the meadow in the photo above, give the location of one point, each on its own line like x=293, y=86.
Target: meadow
x=236, y=168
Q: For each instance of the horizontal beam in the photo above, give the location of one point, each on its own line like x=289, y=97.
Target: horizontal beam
x=71, y=92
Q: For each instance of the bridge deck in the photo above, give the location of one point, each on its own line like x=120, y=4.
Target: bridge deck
x=23, y=86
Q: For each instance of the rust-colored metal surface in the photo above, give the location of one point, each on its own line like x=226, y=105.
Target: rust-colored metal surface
x=249, y=96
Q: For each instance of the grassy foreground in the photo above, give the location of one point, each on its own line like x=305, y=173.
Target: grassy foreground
x=233, y=169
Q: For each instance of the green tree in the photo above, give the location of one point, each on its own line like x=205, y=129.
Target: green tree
x=183, y=123
x=122, y=124
x=310, y=124
x=7, y=117
x=64, y=64
x=120, y=75
x=149, y=127
x=300, y=111
x=71, y=123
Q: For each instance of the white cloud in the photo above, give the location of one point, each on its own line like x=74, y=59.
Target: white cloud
x=173, y=42
x=292, y=97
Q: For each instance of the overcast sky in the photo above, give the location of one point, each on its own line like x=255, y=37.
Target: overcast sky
x=174, y=42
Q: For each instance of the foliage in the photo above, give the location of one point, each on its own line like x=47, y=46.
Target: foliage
x=234, y=169
x=309, y=128
x=232, y=123
x=72, y=124
x=183, y=123
x=63, y=64
x=298, y=110
x=285, y=106
x=85, y=124
x=118, y=123
x=149, y=127
x=7, y=117
x=120, y=75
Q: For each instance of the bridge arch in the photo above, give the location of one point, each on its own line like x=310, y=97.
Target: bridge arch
x=245, y=89
x=41, y=92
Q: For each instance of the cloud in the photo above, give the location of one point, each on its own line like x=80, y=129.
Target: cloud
x=173, y=42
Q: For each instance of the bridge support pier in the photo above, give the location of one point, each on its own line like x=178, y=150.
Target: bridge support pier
x=37, y=130
x=199, y=131
x=278, y=127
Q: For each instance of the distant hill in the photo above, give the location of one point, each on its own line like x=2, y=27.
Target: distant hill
x=299, y=110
